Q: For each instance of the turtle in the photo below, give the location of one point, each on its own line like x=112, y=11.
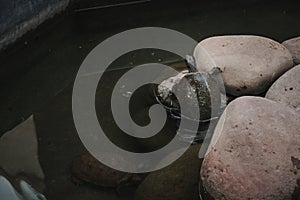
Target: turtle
x=197, y=89
x=200, y=91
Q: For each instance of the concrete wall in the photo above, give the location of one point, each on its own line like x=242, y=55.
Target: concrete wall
x=19, y=16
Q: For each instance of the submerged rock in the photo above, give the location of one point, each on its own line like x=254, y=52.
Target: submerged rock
x=19, y=151
x=293, y=45
x=254, y=152
x=286, y=90
x=249, y=64
x=178, y=181
x=89, y=169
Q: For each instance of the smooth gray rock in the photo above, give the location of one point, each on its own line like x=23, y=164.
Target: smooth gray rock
x=249, y=63
x=286, y=90
x=293, y=45
x=7, y=191
x=254, y=152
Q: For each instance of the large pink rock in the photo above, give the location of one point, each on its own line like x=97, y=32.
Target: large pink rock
x=249, y=63
x=254, y=152
x=293, y=45
x=286, y=90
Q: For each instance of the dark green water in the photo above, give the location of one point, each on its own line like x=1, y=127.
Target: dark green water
x=37, y=77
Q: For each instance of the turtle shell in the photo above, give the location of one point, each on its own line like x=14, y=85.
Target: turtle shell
x=196, y=89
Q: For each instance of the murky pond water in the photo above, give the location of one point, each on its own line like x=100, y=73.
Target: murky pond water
x=38, y=77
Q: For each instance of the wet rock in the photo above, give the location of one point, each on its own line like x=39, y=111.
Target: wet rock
x=178, y=181
x=249, y=64
x=89, y=169
x=19, y=151
x=293, y=45
x=254, y=151
x=286, y=90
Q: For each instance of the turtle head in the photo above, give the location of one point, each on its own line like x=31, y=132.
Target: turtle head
x=191, y=63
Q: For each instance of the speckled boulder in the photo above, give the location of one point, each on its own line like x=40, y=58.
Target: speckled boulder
x=178, y=181
x=254, y=152
x=286, y=90
x=293, y=45
x=250, y=64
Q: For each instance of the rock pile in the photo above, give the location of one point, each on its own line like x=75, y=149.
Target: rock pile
x=255, y=152
x=255, y=149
